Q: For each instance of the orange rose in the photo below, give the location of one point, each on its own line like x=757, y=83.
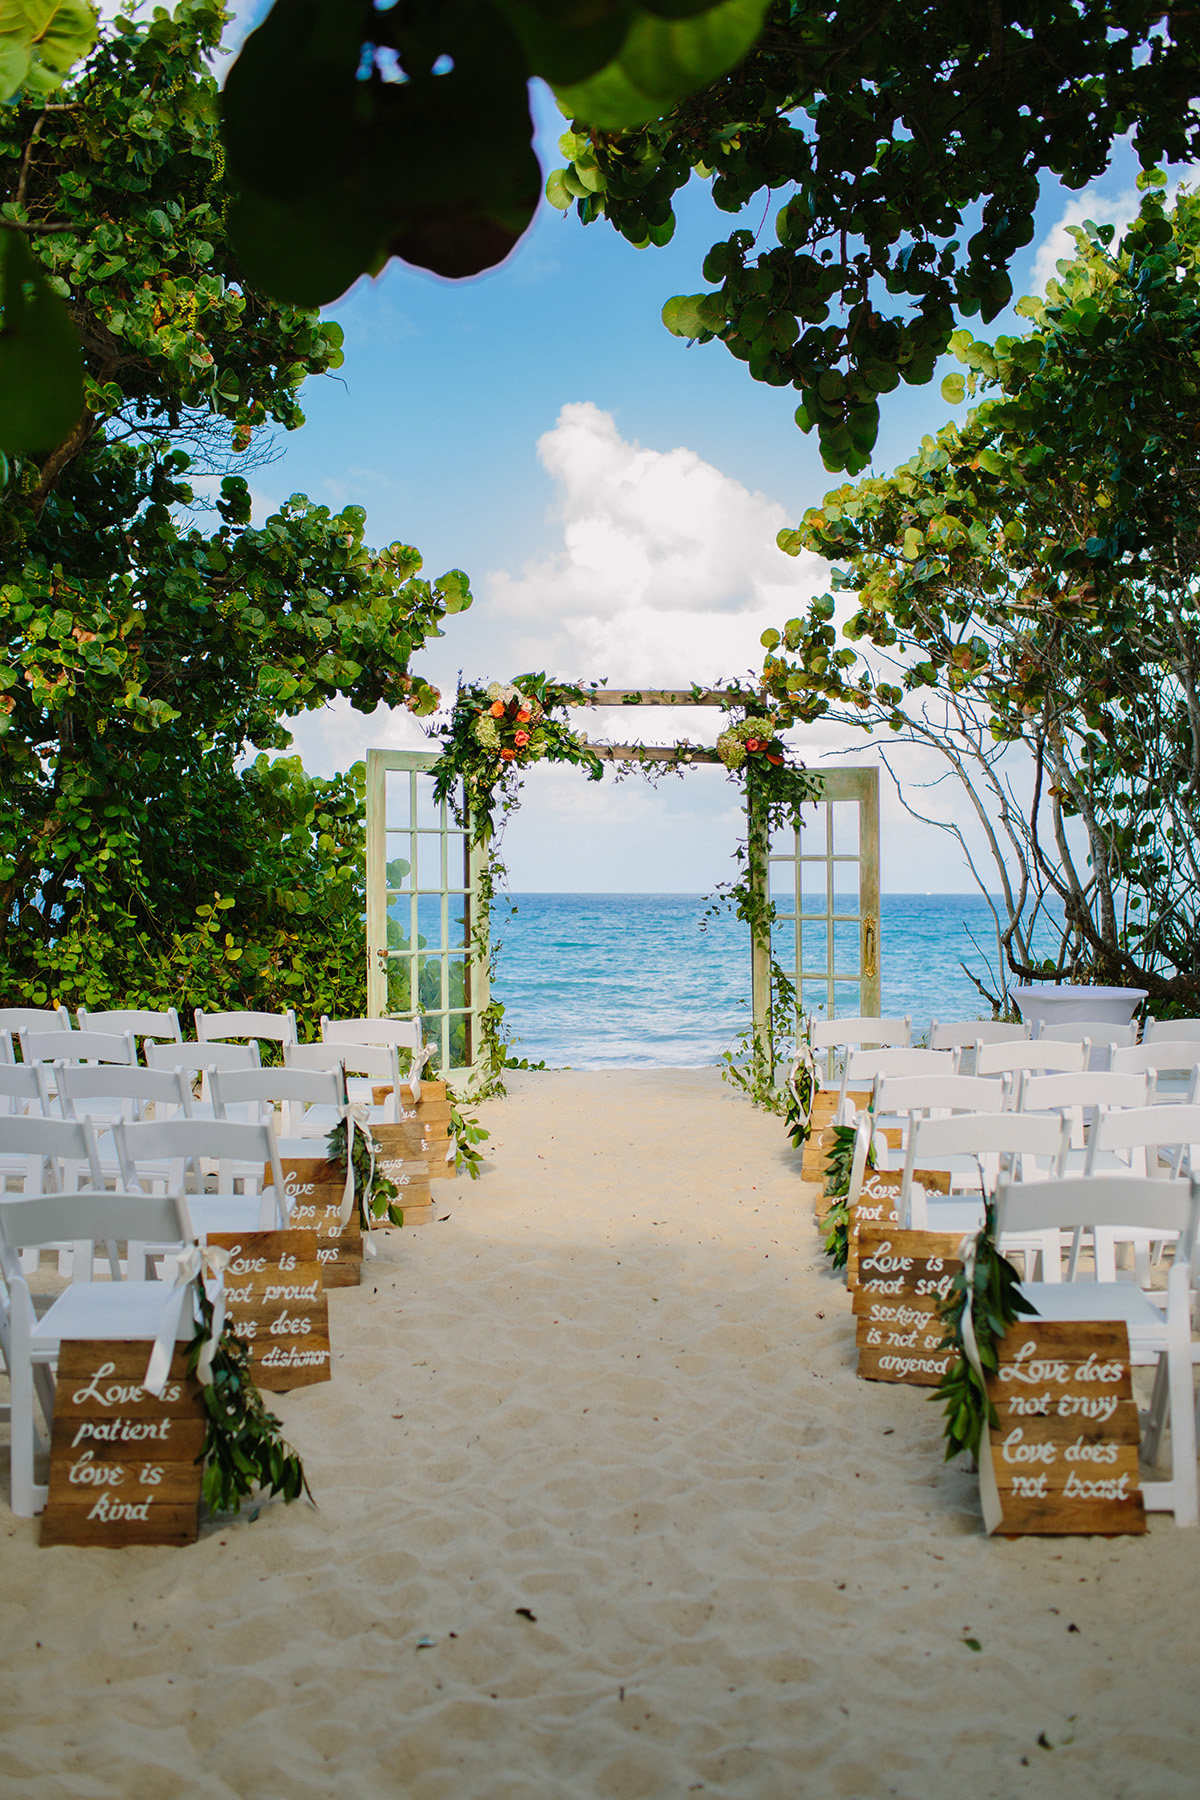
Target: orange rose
x=753, y=744
x=497, y=709
x=521, y=738
x=526, y=712
x=507, y=755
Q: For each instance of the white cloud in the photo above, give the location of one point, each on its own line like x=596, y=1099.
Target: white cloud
x=1119, y=209
x=668, y=570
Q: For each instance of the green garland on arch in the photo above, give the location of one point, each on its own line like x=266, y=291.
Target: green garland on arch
x=496, y=732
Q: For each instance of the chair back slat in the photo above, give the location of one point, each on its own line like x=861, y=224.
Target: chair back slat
x=279, y=1027
x=142, y=1023
x=82, y=1046
x=1047, y=1056
x=964, y=1034
x=857, y=1033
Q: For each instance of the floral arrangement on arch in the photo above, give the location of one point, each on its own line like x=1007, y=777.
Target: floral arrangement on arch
x=499, y=730
x=508, y=723
x=749, y=738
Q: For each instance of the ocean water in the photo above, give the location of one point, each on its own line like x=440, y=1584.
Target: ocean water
x=596, y=981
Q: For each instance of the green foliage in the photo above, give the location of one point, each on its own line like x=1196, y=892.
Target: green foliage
x=907, y=143
x=996, y=1303
x=244, y=1447
x=146, y=854
x=839, y=1164
x=41, y=374
x=1032, y=575
x=374, y=1192
x=480, y=750
x=358, y=133
x=40, y=42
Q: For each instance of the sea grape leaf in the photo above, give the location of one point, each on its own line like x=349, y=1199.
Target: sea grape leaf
x=41, y=369
x=40, y=42
x=661, y=61
x=372, y=167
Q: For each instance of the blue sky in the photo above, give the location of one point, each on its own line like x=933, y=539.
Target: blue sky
x=629, y=536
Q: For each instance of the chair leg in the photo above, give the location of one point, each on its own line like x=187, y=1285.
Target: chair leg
x=24, y=1489
x=1156, y=1417
x=1184, y=1479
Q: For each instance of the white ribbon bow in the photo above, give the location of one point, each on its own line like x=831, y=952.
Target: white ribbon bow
x=196, y=1263
x=989, y=1493
x=419, y=1059
x=357, y=1114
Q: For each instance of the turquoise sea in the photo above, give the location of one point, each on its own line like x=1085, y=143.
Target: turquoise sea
x=616, y=980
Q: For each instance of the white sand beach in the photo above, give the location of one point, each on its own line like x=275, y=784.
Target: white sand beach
x=612, y=1388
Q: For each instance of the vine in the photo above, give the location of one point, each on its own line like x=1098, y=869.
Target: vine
x=244, y=1446
x=984, y=1300
x=496, y=732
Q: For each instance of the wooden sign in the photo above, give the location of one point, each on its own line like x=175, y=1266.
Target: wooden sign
x=878, y=1204
x=314, y=1189
x=413, y=1142
x=402, y=1156
x=276, y=1301
x=820, y=1140
x=898, y=1329
x=123, y=1466
x=1064, y=1458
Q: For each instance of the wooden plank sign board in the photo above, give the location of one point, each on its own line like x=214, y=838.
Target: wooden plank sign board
x=314, y=1190
x=878, y=1203
x=1065, y=1456
x=123, y=1466
x=898, y=1330
x=276, y=1302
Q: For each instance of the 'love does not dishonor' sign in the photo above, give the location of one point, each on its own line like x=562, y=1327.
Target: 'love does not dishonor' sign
x=902, y=1277
x=1064, y=1458
x=276, y=1302
x=123, y=1466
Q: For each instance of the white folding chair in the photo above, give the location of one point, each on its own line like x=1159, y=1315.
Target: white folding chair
x=310, y=1099
x=1100, y=1031
x=862, y=1066
x=1174, y=1031
x=81, y=1046
x=1042, y=1056
x=280, y=1028
x=1081, y=1096
x=365, y=1066
x=190, y=1148
x=1174, y=1062
x=16, y=1019
x=897, y=1099
x=196, y=1061
x=111, y=1091
x=49, y=1156
x=964, y=1034
x=1151, y=1142
x=142, y=1022
x=398, y=1034
x=1078, y=1204
x=24, y=1089
x=116, y=1309
x=6, y=1048
x=976, y=1149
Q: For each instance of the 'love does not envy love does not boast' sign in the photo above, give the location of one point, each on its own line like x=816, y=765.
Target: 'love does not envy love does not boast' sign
x=1064, y=1457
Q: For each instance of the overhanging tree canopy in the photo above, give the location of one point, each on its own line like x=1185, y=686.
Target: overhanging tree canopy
x=1034, y=576
x=148, y=653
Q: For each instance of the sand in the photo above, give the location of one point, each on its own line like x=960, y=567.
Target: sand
x=613, y=1388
